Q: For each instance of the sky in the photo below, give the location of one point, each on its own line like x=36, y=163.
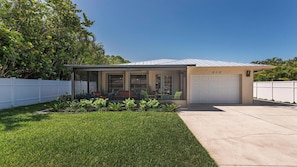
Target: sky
x=225, y=30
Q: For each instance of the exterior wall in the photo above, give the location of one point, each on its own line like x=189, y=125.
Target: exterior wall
x=246, y=82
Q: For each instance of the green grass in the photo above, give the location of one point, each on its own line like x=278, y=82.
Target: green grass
x=97, y=139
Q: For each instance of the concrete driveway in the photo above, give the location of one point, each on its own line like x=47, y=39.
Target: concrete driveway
x=258, y=135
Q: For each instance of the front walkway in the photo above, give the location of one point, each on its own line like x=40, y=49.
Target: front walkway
x=258, y=135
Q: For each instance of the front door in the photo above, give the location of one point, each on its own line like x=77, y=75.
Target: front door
x=164, y=84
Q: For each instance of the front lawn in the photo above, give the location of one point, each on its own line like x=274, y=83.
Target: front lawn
x=97, y=139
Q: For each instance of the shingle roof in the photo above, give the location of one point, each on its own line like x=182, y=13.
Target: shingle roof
x=192, y=62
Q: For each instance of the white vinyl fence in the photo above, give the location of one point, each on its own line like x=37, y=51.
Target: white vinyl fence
x=18, y=92
x=284, y=91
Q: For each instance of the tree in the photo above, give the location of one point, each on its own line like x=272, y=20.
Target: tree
x=285, y=70
x=38, y=37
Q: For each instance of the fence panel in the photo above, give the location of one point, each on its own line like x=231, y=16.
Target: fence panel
x=6, y=93
x=26, y=91
x=284, y=91
x=264, y=90
x=18, y=92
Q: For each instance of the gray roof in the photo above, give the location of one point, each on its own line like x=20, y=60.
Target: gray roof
x=193, y=62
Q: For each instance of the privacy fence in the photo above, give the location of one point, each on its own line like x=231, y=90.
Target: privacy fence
x=284, y=91
x=18, y=92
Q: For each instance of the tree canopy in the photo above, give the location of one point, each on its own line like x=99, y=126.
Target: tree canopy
x=38, y=37
x=285, y=70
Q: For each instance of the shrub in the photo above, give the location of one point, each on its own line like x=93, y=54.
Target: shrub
x=64, y=98
x=170, y=107
x=87, y=104
x=153, y=103
x=142, y=105
x=59, y=106
x=61, y=102
x=114, y=106
x=129, y=104
x=100, y=103
x=73, y=106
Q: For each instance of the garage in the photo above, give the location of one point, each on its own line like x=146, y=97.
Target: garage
x=215, y=89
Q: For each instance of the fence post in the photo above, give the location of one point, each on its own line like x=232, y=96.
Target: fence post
x=12, y=91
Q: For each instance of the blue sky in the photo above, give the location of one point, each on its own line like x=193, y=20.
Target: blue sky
x=226, y=30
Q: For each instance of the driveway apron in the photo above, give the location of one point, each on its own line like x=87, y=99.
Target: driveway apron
x=245, y=135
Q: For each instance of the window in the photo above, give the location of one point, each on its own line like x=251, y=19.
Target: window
x=138, y=83
x=115, y=83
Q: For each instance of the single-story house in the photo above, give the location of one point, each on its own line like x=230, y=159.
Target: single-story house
x=196, y=81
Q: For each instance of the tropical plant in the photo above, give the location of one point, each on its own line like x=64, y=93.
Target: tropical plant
x=142, y=105
x=169, y=107
x=100, y=103
x=87, y=104
x=60, y=106
x=129, y=104
x=73, y=106
x=113, y=106
x=153, y=103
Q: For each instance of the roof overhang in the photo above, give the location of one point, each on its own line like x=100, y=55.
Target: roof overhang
x=122, y=67
x=125, y=67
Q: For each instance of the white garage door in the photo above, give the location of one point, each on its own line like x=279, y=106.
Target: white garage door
x=214, y=89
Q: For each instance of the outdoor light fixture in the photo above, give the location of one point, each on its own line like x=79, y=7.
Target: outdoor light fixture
x=248, y=73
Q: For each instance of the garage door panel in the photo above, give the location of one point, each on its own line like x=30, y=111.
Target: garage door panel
x=214, y=89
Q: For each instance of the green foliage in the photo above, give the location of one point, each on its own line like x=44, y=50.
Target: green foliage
x=74, y=106
x=169, y=107
x=38, y=37
x=113, y=106
x=87, y=104
x=64, y=98
x=100, y=103
x=142, y=105
x=285, y=70
x=153, y=103
x=82, y=105
x=61, y=103
x=129, y=104
x=60, y=106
